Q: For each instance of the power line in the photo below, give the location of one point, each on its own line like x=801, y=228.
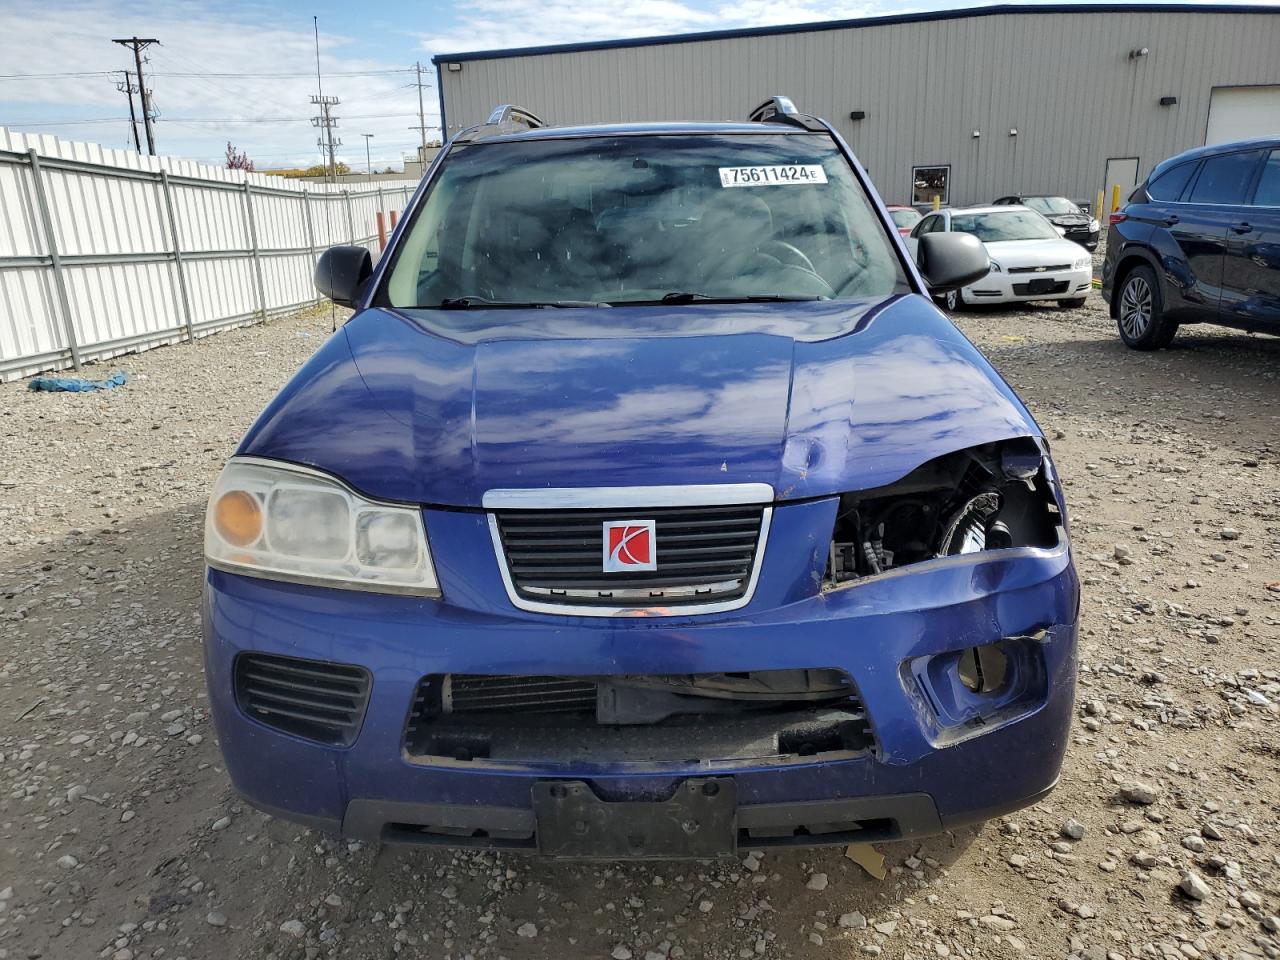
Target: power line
x=56, y=76
x=289, y=76
x=13, y=125
x=188, y=120
x=212, y=73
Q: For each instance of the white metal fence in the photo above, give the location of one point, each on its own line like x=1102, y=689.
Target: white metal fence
x=105, y=251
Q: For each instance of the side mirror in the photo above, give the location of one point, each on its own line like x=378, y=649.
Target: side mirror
x=341, y=273
x=950, y=261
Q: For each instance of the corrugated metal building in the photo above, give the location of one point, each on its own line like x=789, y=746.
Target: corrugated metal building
x=972, y=104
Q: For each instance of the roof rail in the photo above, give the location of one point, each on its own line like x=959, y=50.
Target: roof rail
x=780, y=109
x=510, y=113
x=773, y=107
x=506, y=118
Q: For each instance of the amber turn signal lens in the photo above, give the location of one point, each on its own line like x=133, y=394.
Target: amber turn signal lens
x=238, y=518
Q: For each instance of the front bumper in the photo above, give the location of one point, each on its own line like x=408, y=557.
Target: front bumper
x=920, y=779
x=1007, y=287
x=1084, y=236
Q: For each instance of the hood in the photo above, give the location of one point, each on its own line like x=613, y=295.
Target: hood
x=1035, y=253
x=816, y=398
x=1068, y=219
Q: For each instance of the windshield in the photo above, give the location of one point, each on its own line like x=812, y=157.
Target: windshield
x=1050, y=205
x=617, y=220
x=905, y=218
x=1004, y=225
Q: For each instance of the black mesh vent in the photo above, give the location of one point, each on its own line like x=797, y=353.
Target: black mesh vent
x=703, y=554
x=309, y=698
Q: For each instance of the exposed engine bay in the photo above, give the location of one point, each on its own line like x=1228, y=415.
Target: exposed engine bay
x=985, y=498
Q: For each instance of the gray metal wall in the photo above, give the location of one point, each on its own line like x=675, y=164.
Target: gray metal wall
x=1063, y=80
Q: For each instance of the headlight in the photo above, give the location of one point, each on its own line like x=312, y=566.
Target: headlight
x=1093, y=226
x=995, y=267
x=282, y=522
x=1083, y=263
x=994, y=497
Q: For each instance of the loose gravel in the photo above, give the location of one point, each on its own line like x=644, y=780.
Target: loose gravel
x=120, y=837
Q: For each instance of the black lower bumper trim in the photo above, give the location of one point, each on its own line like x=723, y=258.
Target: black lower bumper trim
x=612, y=826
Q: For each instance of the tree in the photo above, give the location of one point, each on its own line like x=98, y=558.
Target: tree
x=238, y=161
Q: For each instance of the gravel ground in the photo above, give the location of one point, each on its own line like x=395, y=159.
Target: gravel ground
x=119, y=836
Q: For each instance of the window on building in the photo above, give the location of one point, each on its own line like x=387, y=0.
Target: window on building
x=1224, y=179
x=1268, y=193
x=930, y=182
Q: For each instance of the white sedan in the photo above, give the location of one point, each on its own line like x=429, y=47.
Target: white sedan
x=1030, y=259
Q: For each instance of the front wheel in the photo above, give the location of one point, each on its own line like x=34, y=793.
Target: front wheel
x=952, y=300
x=1140, y=311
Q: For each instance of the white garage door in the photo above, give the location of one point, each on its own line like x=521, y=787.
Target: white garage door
x=1242, y=113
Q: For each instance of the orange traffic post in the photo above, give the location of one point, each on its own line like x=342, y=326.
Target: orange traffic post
x=1097, y=207
x=1115, y=197
x=393, y=219
x=382, y=232
x=937, y=202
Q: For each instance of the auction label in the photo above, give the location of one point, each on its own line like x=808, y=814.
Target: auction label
x=773, y=175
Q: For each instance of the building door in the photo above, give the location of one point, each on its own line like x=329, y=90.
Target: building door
x=1121, y=172
x=1243, y=113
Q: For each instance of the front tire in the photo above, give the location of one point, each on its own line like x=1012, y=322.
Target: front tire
x=1140, y=311
x=952, y=300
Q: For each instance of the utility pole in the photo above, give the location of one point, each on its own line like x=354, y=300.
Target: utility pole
x=368, y=164
x=422, y=116
x=327, y=122
x=126, y=87
x=138, y=44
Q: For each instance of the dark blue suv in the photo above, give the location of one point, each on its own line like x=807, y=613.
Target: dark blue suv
x=1198, y=242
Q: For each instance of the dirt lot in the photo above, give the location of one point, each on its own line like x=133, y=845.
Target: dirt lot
x=119, y=836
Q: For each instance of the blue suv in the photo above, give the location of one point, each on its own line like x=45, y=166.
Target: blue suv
x=1198, y=242
x=645, y=507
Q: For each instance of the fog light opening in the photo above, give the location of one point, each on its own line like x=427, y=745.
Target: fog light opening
x=983, y=669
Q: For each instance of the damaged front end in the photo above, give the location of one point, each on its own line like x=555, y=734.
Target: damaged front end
x=714, y=718
x=993, y=497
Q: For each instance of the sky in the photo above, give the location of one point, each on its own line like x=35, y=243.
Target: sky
x=244, y=72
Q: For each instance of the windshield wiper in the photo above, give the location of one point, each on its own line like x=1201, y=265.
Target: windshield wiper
x=688, y=297
x=465, y=303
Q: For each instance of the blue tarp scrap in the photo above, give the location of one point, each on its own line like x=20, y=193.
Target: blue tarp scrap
x=78, y=385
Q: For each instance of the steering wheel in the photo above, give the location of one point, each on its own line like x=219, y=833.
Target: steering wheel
x=793, y=258
x=786, y=253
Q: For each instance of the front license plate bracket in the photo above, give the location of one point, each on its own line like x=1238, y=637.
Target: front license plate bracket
x=698, y=821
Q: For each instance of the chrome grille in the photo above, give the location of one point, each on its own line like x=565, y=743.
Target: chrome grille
x=705, y=555
x=1049, y=269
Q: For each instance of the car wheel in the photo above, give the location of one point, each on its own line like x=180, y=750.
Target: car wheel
x=1140, y=312
x=953, y=300
x=1072, y=303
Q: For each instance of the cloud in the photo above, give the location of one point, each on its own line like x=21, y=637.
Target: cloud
x=197, y=38
x=494, y=24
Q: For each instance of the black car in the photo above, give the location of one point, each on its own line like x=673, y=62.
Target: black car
x=1198, y=242
x=1080, y=227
